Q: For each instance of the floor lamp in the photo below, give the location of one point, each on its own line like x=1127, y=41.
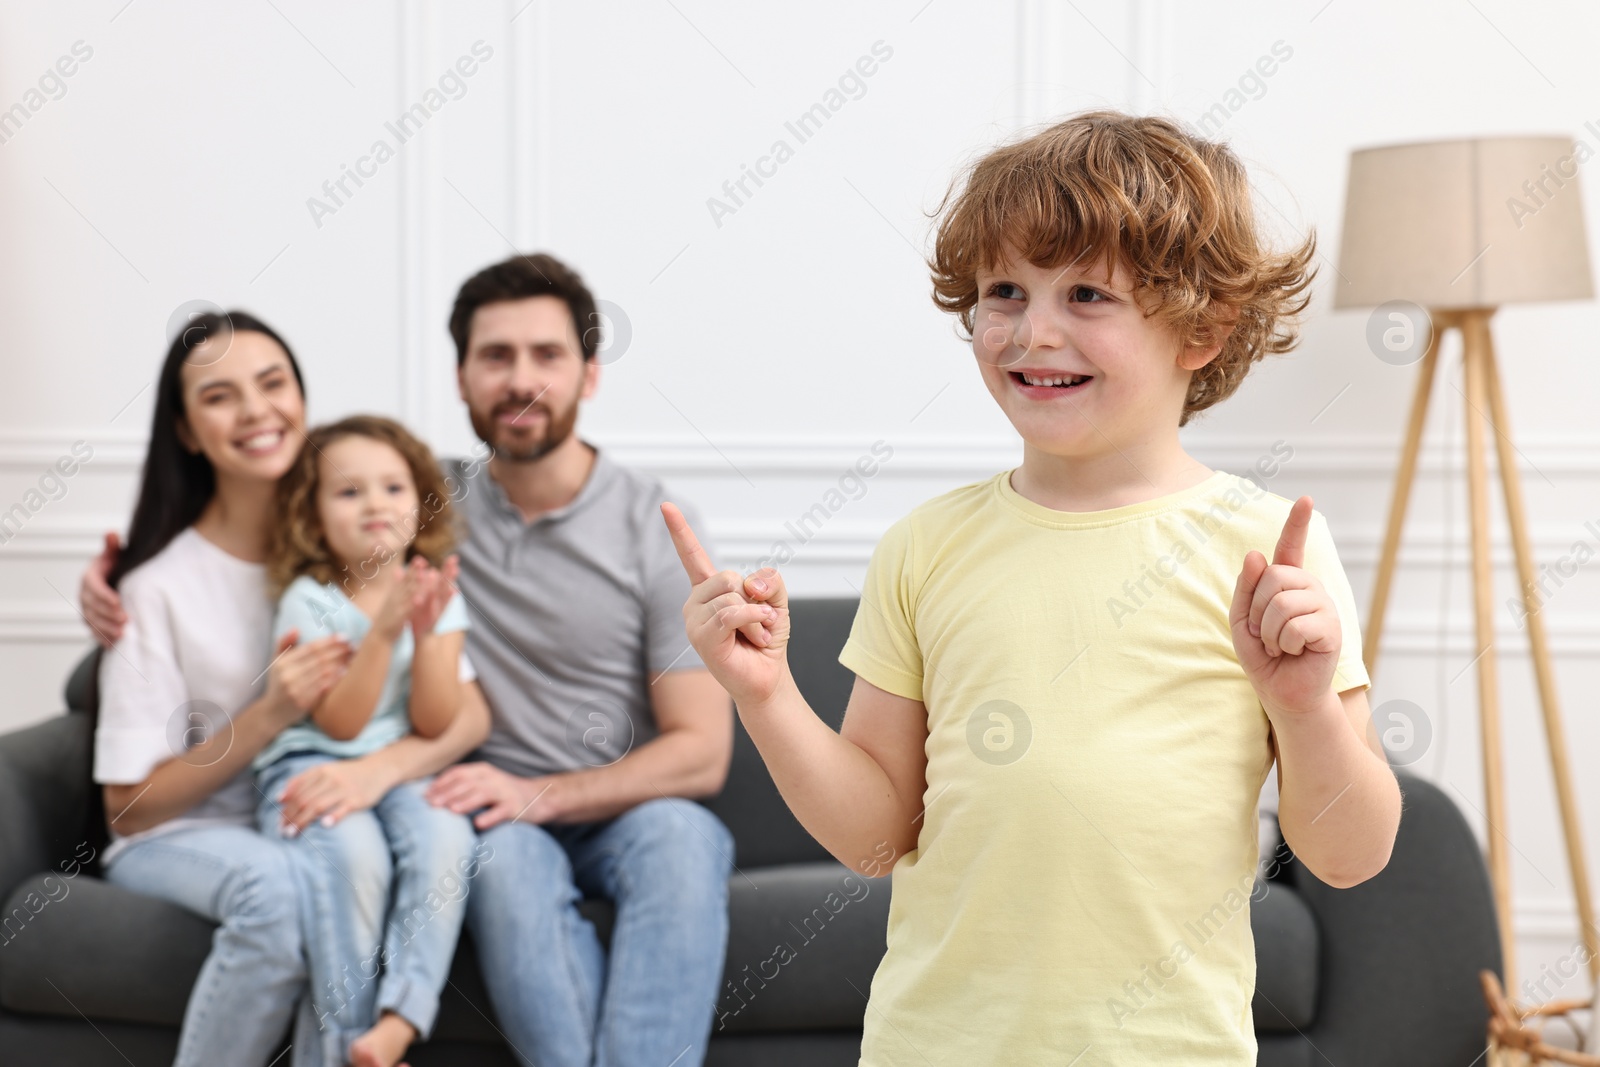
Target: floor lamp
x=1460, y=228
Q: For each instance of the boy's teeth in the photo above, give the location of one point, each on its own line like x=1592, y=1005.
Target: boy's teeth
x=1073, y=379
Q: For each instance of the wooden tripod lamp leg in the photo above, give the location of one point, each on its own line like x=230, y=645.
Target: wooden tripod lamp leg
x=1555, y=731
x=1402, y=496
x=1475, y=339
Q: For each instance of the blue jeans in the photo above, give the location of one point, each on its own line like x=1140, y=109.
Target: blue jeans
x=561, y=1003
x=247, y=990
x=382, y=895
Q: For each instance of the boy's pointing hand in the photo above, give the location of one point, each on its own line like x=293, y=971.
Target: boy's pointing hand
x=1284, y=624
x=739, y=626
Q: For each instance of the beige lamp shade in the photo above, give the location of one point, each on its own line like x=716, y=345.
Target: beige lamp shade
x=1465, y=224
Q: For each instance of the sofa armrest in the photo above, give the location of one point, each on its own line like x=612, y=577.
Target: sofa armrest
x=82, y=692
x=46, y=802
x=1401, y=952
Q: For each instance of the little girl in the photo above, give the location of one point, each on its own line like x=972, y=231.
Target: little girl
x=360, y=551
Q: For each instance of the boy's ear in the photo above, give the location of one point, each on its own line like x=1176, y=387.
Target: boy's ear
x=1195, y=357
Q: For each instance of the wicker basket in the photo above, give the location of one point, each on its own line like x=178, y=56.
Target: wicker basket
x=1516, y=1034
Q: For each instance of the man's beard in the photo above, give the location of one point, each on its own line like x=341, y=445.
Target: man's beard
x=504, y=440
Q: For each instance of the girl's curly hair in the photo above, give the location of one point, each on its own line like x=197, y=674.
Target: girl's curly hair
x=1175, y=208
x=298, y=545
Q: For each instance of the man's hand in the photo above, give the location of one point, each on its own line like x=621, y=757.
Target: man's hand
x=495, y=795
x=739, y=626
x=101, y=606
x=330, y=791
x=1285, y=626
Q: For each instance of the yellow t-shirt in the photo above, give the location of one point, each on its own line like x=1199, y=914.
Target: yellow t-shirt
x=1081, y=880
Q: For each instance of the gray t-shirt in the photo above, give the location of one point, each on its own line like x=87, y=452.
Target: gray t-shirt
x=573, y=615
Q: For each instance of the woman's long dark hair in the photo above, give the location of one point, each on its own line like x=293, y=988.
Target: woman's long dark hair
x=178, y=484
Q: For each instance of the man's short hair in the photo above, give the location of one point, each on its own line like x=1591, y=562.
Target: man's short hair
x=521, y=278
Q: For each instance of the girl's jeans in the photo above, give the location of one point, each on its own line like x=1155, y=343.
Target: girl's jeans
x=366, y=954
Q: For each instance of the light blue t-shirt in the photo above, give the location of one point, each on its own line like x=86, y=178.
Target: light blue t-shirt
x=318, y=610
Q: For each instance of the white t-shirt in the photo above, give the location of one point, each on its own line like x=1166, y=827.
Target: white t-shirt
x=193, y=654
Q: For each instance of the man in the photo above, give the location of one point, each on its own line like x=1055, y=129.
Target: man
x=604, y=718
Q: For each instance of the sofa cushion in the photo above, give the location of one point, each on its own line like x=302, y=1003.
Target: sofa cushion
x=803, y=944
x=85, y=945
x=90, y=946
x=800, y=936
x=82, y=691
x=1287, y=960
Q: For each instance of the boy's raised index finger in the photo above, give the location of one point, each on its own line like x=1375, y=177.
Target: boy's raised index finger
x=694, y=558
x=1291, y=549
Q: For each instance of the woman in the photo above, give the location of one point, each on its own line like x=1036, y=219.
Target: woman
x=189, y=697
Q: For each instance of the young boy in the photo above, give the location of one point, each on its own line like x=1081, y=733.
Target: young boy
x=1073, y=677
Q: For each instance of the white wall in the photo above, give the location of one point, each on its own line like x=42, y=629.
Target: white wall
x=772, y=350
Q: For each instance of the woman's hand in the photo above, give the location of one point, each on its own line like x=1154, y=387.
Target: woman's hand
x=301, y=675
x=434, y=590
x=100, y=604
x=330, y=791
x=739, y=626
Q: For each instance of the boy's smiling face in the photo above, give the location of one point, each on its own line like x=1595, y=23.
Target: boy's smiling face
x=1123, y=377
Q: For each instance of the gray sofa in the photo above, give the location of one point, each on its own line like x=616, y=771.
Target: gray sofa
x=1382, y=974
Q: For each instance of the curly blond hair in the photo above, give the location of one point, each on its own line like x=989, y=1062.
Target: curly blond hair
x=298, y=544
x=1173, y=207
